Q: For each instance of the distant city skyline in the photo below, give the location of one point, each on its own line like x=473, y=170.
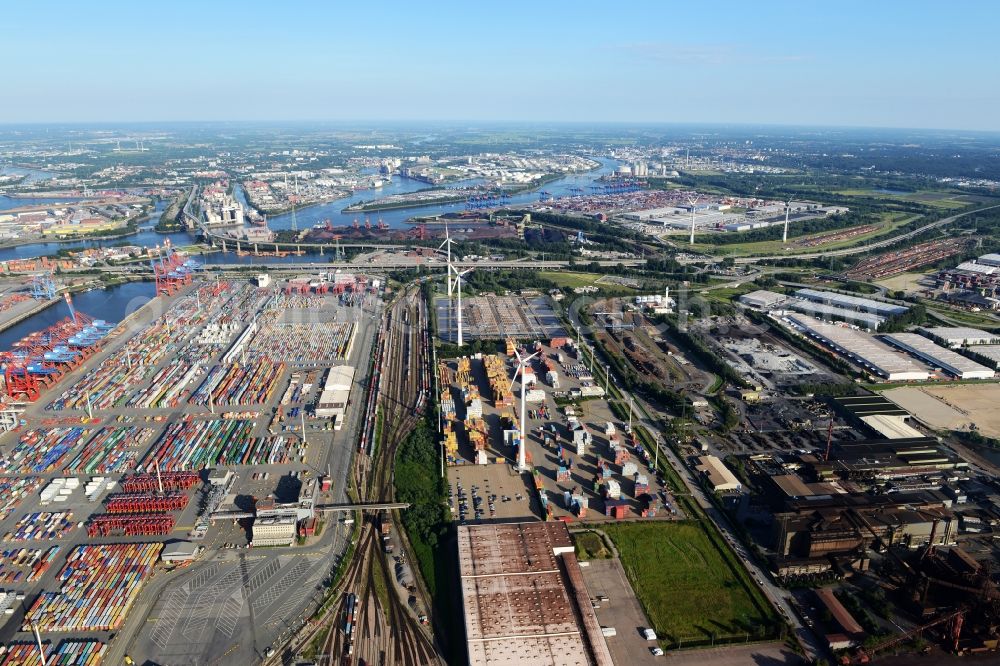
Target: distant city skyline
x=912, y=65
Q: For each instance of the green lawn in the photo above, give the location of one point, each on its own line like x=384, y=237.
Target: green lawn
x=570, y=279
x=688, y=588
x=937, y=199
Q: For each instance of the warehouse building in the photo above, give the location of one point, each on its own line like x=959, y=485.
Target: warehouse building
x=960, y=336
x=178, y=552
x=989, y=354
x=951, y=362
x=861, y=349
x=718, y=475
x=336, y=393
x=524, y=599
x=989, y=260
x=851, y=302
x=763, y=299
x=830, y=312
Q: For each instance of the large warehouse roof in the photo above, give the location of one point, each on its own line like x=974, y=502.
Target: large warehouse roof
x=763, y=299
x=523, y=607
x=989, y=259
x=862, y=349
x=869, y=320
x=956, y=336
x=851, y=302
x=952, y=362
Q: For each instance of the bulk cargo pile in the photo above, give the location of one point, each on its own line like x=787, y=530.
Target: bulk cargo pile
x=97, y=587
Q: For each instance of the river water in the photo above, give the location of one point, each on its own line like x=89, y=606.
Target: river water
x=308, y=217
x=112, y=304
x=396, y=219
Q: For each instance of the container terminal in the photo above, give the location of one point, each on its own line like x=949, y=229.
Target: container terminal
x=171, y=483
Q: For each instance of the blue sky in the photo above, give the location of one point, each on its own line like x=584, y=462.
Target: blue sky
x=895, y=64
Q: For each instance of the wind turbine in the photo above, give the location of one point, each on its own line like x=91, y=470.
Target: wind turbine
x=522, y=363
x=788, y=207
x=458, y=286
x=692, y=201
x=448, y=242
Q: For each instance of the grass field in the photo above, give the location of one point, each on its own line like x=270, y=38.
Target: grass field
x=889, y=223
x=944, y=200
x=688, y=588
x=569, y=279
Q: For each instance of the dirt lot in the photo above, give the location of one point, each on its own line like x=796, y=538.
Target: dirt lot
x=907, y=282
x=952, y=407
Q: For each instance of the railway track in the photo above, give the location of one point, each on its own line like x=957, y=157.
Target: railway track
x=383, y=630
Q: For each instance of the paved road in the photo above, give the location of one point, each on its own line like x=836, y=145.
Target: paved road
x=868, y=246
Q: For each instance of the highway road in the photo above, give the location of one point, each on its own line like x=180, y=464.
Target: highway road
x=867, y=247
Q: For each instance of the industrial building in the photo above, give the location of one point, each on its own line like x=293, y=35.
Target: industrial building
x=336, y=393
x=878, y=414
x=848, y=302
x=718, y=475
x=278, y=530
x=948, y=360
x=851, y=632
x=988, y=353
x=960, y=336
x=178, y=552
x=817, y=527
x=862, y=349
x=887, y=459
x=763, y=299
x=767, y=301
x=525, y=602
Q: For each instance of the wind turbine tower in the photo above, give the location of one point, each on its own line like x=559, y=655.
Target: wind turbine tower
x=788, y=207
x=692, y=201
x=522, y=363
x=447, y=244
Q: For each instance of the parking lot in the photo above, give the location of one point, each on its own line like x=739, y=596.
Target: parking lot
x=620, y=609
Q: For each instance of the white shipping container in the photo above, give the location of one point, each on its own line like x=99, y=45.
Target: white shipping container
x=534, y=395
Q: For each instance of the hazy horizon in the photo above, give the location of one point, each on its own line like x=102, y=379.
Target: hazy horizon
x=863, y=65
